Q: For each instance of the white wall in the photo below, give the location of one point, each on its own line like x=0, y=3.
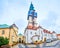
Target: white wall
x=29, y=33
x=35, y=38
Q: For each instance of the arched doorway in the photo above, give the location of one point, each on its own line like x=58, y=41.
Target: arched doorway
x=22, y=41
x=19, y=40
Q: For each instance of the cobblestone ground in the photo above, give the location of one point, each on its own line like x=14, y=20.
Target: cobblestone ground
x=52, y=43
x=55, y=44
x=16, y=46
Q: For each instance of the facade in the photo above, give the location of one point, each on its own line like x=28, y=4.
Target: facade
x=34, y=32
x=32, y=29
x=9, y=32
x=54, y=35
x=21, y=38
x=46, y=35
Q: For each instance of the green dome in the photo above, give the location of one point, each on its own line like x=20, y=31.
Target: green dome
x=20, y=34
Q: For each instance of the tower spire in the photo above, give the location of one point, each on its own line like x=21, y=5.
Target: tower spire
x=31, y=6
x=32, y=16
x=31, y=12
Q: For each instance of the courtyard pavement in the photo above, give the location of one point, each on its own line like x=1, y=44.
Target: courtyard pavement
x=55, y=44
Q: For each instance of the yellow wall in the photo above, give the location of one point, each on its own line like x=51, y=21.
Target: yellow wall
x=10, y=33
x=6, y=34
x=22, y=38
x=13, y=36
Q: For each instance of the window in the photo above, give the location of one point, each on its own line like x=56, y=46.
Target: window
x=45, y=34
x=35, y=33
x=38, y=38
x=30, y=32
x=42, y=37
x=31, y=38
x=41, y=32
x=3, y=32
x=12, y=38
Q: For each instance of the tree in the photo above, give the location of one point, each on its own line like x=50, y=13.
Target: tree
x=4, y=41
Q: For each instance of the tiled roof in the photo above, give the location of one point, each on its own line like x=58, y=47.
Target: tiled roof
x=4, y=26
x=46, y=31
x=33, y=27
x=58, y=34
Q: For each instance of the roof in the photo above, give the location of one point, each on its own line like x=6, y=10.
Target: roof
x=31, y=12
x=33, y=27
x=58, y=34
x=4, y=26
x=7, y=26
x=53, y=32
x=46, y=31
x=13, y=25
x=31, y=7
x=20, y=34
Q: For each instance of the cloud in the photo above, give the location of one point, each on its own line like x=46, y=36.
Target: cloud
x=15, y=11
x=58, y=21
x=11, y=13
x=51, y=22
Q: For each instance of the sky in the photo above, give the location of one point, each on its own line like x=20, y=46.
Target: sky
x=16, y=11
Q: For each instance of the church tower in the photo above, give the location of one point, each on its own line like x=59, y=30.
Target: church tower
x=33, y=29
x=32, y=16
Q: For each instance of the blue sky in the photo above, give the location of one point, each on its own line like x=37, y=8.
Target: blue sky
x=15, y=11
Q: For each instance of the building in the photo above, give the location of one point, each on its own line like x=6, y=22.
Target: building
x=9, y=32
x=46, y=35
x=34, y=32
x=21, y=38
x=58, y=36
x=54, y=35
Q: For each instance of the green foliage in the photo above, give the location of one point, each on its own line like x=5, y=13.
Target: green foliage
x=4, y=41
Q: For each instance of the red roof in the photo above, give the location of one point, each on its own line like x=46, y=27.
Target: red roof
x=46, y=31
x=33, y=27
x=58, y=34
